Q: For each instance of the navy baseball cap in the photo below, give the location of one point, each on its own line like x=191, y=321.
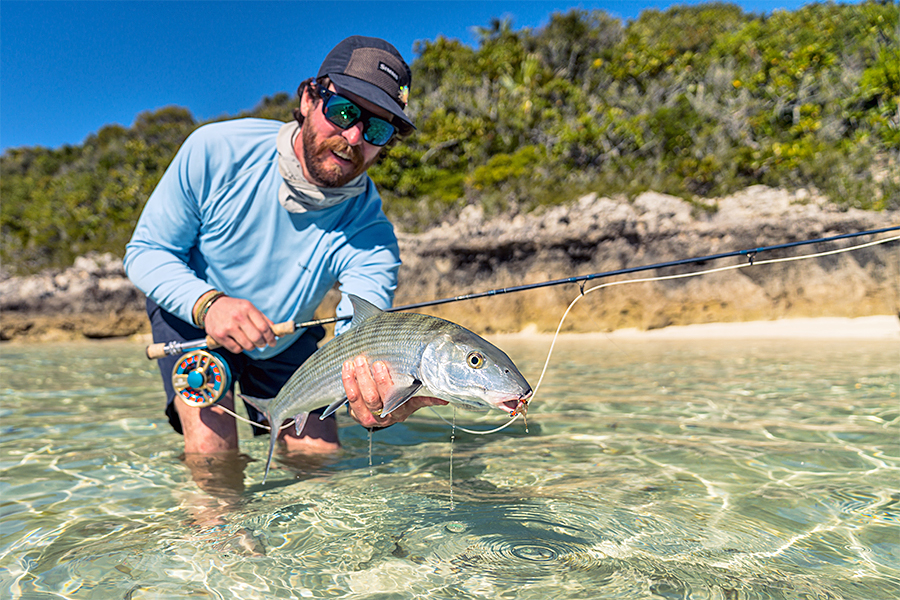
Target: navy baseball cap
x=372, y=69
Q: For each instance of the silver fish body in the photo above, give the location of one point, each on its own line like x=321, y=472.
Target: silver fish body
x=425, y=356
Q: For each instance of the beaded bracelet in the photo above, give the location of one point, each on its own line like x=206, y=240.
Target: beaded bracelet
x=200, y=314
x=200, y=303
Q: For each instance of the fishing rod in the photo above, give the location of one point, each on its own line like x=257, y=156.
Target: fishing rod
x=163, y=349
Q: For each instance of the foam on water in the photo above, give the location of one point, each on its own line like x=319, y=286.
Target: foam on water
x=668, y=469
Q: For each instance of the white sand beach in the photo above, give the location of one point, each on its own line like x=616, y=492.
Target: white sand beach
x=880, y=327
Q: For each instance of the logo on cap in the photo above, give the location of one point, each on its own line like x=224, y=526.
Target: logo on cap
x=389, y=71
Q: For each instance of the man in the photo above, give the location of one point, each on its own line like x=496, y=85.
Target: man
x=255, y=220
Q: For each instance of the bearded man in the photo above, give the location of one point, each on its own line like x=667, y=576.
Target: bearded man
x=255, y=220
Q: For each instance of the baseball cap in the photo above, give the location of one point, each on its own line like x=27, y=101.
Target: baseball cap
x=372, y=69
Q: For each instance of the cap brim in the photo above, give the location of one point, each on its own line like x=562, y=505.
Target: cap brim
x=376, y=96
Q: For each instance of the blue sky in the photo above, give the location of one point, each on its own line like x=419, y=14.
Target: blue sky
x=69, y=68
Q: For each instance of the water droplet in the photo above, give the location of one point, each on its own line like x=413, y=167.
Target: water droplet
x=455, y=527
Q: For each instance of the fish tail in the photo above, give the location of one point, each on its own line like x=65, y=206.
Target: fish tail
x=262, y=405
x=273, y=437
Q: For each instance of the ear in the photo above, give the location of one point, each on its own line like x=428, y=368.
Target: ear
x=306, y=102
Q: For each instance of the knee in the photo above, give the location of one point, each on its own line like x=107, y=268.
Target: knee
x=317, y=436
x=207, y=430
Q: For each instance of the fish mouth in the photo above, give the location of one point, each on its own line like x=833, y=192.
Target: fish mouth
x=517, y=405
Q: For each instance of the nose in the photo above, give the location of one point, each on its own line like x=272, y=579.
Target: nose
x=354, y=135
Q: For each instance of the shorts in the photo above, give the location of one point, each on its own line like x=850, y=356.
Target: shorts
x=257, y=378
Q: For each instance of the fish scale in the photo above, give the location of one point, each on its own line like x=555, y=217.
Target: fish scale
x=398, y=348
x=424, y=355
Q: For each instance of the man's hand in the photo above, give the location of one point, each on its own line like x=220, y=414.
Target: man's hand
x=366, y=389
x=238, y=325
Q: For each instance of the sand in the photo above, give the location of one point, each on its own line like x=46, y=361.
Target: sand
x=881, y=327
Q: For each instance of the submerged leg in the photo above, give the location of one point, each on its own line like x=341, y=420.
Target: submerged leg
x=315, y=437
x=210, y=429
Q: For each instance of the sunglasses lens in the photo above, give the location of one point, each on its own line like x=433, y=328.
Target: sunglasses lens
x=378, y=132
x=344, y=113
x=341, y=112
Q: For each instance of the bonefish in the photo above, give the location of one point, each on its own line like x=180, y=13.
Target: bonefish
x=425, y=355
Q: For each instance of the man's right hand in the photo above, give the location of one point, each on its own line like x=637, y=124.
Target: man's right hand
x=238, y=325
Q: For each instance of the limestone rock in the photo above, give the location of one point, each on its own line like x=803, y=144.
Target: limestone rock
x=94, y=298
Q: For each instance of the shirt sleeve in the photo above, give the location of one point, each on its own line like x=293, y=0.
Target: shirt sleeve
x=157, y=257
x=368, y=262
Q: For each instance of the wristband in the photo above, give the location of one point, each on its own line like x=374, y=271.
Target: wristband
x=199, y=304
x=200, y=317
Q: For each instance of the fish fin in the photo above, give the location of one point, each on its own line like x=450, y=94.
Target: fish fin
x=299, y=422
x=273, y=438
x=262, y=405
x=333, y=407
x=399, y=394
x=362, y=310
x=396, y=397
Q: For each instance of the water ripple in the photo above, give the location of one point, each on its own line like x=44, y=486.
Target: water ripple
x=660, y=470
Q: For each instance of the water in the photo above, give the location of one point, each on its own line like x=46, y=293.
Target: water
x=728, y=470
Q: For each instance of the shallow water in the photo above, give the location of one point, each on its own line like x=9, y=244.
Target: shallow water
x=729, y=470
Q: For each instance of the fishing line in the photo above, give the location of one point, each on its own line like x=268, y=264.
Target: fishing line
x=584, y=292
x=171, y=348
x=254, y=423
x=751, y=262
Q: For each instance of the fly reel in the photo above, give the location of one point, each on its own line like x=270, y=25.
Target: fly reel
x=201, y=378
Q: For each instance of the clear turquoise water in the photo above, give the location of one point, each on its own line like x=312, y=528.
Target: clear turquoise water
x=729, y=470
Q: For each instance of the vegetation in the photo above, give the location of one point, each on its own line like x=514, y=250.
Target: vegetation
x=695, y=101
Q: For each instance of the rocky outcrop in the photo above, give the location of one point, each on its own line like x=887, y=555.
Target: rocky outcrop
x=598, y=234
x=593, y=235
x=93, y=298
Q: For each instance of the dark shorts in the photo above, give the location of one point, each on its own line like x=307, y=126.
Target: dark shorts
x=258, y=378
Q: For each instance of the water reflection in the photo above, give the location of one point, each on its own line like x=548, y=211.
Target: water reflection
x=663, y=470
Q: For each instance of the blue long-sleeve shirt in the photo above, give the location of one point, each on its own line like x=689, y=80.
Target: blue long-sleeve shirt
x=215, y=222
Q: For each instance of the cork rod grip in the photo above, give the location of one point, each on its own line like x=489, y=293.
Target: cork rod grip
x=159, y=350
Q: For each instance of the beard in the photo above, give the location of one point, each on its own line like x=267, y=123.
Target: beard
x=326, y=174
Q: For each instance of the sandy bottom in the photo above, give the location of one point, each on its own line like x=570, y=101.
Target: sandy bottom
x=882, y=327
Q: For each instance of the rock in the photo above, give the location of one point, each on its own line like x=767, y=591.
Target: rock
x=596, y=235
x=94, y=298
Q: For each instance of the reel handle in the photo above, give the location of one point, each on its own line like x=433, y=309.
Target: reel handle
x=163, y=349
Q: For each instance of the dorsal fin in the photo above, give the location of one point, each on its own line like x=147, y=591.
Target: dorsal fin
x=362, y=310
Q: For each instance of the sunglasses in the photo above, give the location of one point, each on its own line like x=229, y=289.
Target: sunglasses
x=344, y=113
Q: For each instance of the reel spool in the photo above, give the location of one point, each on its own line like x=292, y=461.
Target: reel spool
x=201, y=378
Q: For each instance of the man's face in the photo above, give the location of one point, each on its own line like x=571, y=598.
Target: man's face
x=331, y=156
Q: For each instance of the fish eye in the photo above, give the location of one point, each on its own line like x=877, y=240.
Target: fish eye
x=475, y=359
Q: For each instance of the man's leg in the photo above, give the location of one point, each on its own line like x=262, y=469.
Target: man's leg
x=208, y=430
x=317, y=437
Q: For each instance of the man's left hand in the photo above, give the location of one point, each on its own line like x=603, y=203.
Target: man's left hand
x=366, y=389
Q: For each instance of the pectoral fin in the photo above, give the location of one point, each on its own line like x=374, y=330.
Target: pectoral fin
x=399, y=394
x=333, y=407
x=396, y=397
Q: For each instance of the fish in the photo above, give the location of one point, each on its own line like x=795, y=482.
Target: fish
x=425, y=355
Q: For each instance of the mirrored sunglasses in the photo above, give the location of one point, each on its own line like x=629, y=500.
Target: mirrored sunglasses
x=344, y=113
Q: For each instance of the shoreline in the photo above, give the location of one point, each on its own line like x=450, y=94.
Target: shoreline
x=871, y=328
x=94, y=298
x=877, y=328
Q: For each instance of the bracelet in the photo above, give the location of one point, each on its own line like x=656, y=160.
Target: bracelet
x=200, y=303
x=200, y=317
x=202, y=314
